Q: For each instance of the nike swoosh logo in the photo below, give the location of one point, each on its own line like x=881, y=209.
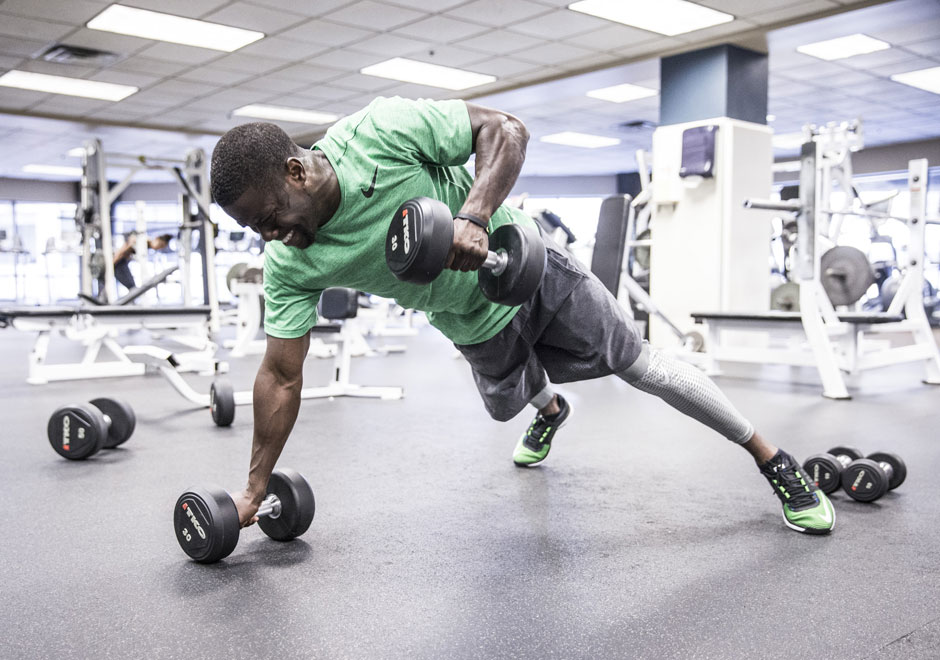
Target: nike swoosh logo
x=828, y=517
x=368, y=193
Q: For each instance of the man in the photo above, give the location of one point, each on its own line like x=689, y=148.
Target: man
x=325, y=213
x=124, y=254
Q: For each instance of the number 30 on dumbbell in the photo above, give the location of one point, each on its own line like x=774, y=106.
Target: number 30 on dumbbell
x=420, y=237
x=80, y=430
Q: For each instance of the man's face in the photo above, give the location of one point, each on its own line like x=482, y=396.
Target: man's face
x=283, y=214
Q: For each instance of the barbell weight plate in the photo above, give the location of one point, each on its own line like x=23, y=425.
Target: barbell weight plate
x=297, y=505
x=851, y=452
x=419, y=239
x=846, y=274
x=77, y=431
x=524, y=270
x=234, y=274
x=222, y=402
x=825, y=471
x=253, y=275
x=206, y=524
x=864, y=480
x=123, y=420
x=786, y=297
x=898, y=467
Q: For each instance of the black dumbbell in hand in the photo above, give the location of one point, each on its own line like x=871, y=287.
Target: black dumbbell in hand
x=868, y=479
x=80, y=430
x=207, y=525
x=420, y=237
x=826, y=469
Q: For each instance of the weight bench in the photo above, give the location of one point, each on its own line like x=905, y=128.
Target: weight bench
x=782, y=338
x=335, y=304
x=96, y=327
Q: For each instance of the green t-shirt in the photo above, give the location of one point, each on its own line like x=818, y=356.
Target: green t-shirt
x=405, y=149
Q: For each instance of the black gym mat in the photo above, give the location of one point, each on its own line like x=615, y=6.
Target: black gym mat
x=644, y=535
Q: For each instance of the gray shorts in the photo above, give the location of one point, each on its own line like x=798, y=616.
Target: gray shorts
x=572, y=329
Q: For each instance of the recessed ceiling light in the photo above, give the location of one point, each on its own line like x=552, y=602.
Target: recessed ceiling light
x=622, y=93
x=926, y=79
x=788, y=140
x=281, y=113
x=59, y=170
x=41, y=82
x=838, y=49
x=668, y=17
x=422, y=73
x=571, y=139
x=174, y=29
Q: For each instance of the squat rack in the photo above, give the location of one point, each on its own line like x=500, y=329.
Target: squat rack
x=94, y=221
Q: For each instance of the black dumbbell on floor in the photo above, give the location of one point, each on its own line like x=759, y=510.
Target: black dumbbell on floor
x=80, y=430
x=868, y=479
x=222, y=402
x=207, y=525
x=420, y=237
x=826, y=469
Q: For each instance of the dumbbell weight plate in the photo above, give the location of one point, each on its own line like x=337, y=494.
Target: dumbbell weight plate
x=123, y=420
x=206, y=524
x=77, y=431
x=524, y=271
x=825, y=471
x=297, y=505
x=419, y=239
x=234, y=274
x=899, y=469
x=851, y=452
x=222, y=402
x=864, y=480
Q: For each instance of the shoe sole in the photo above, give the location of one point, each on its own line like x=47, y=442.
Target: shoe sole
x=560, y=426
x=811, y=530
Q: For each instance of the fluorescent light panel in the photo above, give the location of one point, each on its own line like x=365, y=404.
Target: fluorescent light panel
x=926, y=79
x=174, y=29
x=59, y=170
x=843, y=47
x=422, y=73
x=622, y=93
x=668, y=17
x=90, y=89
x=276, y=112
x=571, y=139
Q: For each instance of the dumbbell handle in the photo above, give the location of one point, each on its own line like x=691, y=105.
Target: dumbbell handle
x=496, y=262
x=887, y=467
x=270, y=506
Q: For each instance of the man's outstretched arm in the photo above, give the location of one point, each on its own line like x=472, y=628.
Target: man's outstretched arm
x=276, y=402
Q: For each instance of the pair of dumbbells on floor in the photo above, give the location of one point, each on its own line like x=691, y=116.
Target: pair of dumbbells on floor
x=864, y=479
x=81, y=430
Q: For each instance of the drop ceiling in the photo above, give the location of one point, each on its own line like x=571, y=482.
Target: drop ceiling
x=544, y=57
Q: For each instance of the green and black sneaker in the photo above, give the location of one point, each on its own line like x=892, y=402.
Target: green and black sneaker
x=805, y=508
x=535, y=443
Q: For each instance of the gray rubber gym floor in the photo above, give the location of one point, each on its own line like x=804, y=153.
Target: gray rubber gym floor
x=643, y=536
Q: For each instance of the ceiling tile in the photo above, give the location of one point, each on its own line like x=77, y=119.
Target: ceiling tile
x=327, y=33
x=70, y=105
x=150, y=66
x=500, y=42
x=347, y=60
x=878, y=59
x=28, y=28
x=283, y=49
x=451, y=56
x=329, y=93
x=360, y=83
x=183, y=54
x=559, y=24
x=498, y=12
x=56, y=69
x=374, y=15
x=248, y=63
x=390, y=45
x=215, y=75
x=254, y=17
x=739, y=8
x=20, y=99
x=227, y=100
x=908, y=33
x=305, y=7
x=612, y=37
x=903, y=66
x=441, y=29
x=308, y=73
x=927, y=48
x=554, y=53
x=273, y=85
x=791, y=11
x=22, y=47
x=424, y=5
x=503, y=67
x=185, y=8
x=183, y=88
x=73, y=11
